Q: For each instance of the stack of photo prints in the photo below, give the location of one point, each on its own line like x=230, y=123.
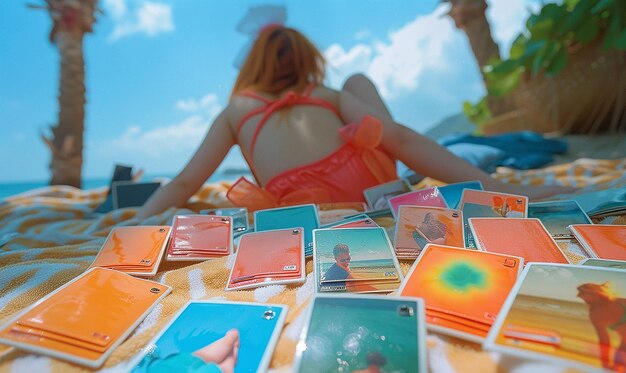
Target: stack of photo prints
x=200, y=237
x=535, y=280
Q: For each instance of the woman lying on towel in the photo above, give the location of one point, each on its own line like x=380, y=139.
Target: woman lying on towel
x=307, y=143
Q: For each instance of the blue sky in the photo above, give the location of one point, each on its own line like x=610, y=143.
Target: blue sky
x=158, y=71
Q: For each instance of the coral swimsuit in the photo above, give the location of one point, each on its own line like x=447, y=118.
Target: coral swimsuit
x=339, y=177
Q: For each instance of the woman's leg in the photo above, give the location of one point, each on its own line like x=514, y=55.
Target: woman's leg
x=364, y=89
x=423, y=155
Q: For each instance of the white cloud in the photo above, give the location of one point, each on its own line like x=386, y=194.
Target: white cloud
x=207, y=104
x=160, y=141
x=507, y=19
x=116, y=8
x=167, y=146
x=139, y=16
x=342, y=63
x=166, y=149
x=425, y=69
x=396, y=65
x=363, y=34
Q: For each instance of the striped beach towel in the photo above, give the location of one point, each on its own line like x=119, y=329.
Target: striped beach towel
x=50, y=235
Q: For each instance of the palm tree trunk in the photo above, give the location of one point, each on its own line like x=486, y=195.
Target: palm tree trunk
x=66, y=144
x=71, y=20
x=469, y=16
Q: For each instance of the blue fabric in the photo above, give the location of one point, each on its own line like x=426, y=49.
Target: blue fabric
x=481, y=156
x=521, y=150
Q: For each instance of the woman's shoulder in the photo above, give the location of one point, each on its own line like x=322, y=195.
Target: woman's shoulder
x=326, y=93
x=241, y=103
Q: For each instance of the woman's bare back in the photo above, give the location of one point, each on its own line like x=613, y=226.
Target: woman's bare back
x=294, y=136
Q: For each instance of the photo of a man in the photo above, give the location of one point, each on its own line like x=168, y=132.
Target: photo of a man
x=354, y=260
x=341, y=269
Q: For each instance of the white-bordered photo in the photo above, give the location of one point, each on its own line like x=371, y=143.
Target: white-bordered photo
x=355, y=260
x=569, y=315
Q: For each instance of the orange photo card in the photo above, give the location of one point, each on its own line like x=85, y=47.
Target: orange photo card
x=86, y=319
x=485, y=204
x=463, y=290
x=520, y=237
x=602, y=240
x=418, y=226
x=267, y=258
x=200, y=237
x=134, y=250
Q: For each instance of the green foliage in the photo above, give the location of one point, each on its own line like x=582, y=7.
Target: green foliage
x=543, y=46
x=477, y=113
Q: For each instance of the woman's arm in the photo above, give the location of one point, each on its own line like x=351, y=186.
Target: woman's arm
x=209, y=155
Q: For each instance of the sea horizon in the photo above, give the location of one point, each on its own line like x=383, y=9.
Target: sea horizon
x=11, y=188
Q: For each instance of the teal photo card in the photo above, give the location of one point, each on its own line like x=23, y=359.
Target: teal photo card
x=363, y=334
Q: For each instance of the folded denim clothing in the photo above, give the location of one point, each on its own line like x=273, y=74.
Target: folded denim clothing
x=485, y=157
x=521, y=150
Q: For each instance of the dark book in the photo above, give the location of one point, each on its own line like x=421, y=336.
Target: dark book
x=120, y=173
x=130, y=194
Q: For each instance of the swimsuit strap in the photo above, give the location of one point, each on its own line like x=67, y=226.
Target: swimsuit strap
x=268, y=102
x=252, y=112
x=308, y=90
x=271, y=106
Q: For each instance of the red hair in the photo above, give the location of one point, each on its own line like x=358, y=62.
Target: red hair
x=280, y=58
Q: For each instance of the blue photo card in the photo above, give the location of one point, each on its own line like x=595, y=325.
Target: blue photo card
x=557, y=215
x=452, y=192
x=201, y=323
x=304, y=216
x=239, y=215
x=595, y=262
